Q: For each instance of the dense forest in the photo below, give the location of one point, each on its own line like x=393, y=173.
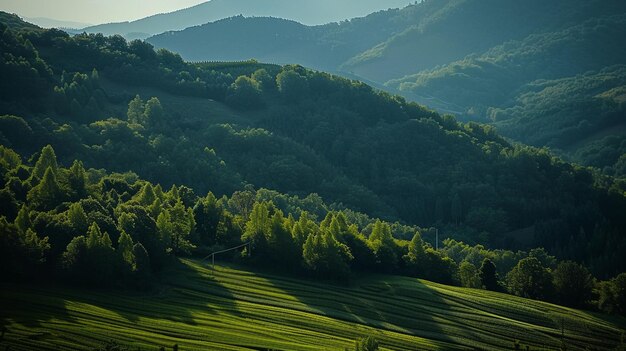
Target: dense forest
x=545, y=73
x=337, y=149
x=544, y=90
x=116, y=230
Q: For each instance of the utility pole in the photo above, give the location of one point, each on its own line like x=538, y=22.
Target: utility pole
x=437, y=239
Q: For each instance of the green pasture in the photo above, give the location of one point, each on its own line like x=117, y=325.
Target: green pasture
x=230, y=308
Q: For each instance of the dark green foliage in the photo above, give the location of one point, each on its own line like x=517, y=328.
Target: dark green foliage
x=612, y=295
x=47, y=159
x=22, y=252
x=489, y=276
x=17, y=130
x=316, y=133
x=530, y=279
x=149, y=226
x=174, y=226
x=244, y=93
x=14, y=22
x=322, y=134
x=544, y=76
x=415, y=259
x=292, y=85
x=91, y=260
x=468, y=275
x=142, y=263
x=573, y=284
x=77, y=219
x=383, y=246
x=76, y=181
x=47, y=193
x=80, y=96
x=264, y=79
x=326, y=257
x=257, y=228
x=24, y=73
x=209, y=217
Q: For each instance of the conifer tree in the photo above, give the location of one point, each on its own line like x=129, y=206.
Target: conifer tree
x=125, y=250
x=22, y=221
x=77, y=218
x=136, y=109
x=77, y=180
x=47, y=194
x=47, y=159
x=489, y=276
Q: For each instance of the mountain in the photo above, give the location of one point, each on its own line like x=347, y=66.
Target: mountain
x=394, y=43
x=124, y=170
x=304, y=11
x=220, y=126
x=15, y=22
x=55, y=23
x=475, y=59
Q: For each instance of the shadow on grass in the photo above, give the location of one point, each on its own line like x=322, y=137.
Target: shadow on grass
x=30, y=306
x=368, y=305
x=50, y=310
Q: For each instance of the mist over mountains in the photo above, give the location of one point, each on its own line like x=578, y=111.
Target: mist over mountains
x=311, y=12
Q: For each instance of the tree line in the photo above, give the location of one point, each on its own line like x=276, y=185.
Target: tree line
x=89, y=227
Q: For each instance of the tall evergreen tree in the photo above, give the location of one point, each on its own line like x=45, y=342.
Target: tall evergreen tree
x=125, y=249
x=47, y=194
x=382, y=244
x=77, y=218
x=489, y=276
x=208, y=215
x=22, y=221
x=77, y=181
x=47, y=159
x=136, y=109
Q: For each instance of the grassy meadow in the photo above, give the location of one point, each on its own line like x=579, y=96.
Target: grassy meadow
x=230, y=308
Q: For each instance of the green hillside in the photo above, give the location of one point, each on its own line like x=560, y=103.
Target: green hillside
x=233, y=309
x=220, y=126
x=544, y=90
x=480, y=60
x=120, y=163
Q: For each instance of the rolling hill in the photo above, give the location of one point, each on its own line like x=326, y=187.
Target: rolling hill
x=119, y=162
x=474, y=59
x=234, y=309
x=304, y=11
x=299, y=132
x=546, y=90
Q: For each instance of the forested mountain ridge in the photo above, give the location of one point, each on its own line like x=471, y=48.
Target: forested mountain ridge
x=304, y=11
x=414, y=38
x=299, y=132
x=548, y=89
x=475, y=59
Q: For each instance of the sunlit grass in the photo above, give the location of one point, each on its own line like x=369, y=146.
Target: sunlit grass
x=235, y=309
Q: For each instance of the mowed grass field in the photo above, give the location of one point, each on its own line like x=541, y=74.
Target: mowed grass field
x=231, y=308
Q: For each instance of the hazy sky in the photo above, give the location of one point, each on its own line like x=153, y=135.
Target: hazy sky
x=93, y=11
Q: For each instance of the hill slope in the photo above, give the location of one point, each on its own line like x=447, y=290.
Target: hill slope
x=470, y=58
x=233, y=309
x=305, y=11
x=299, y=132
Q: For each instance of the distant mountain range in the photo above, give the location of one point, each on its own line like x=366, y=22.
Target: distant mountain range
x=310, y=12
x=45, y=22
x=481, y=60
